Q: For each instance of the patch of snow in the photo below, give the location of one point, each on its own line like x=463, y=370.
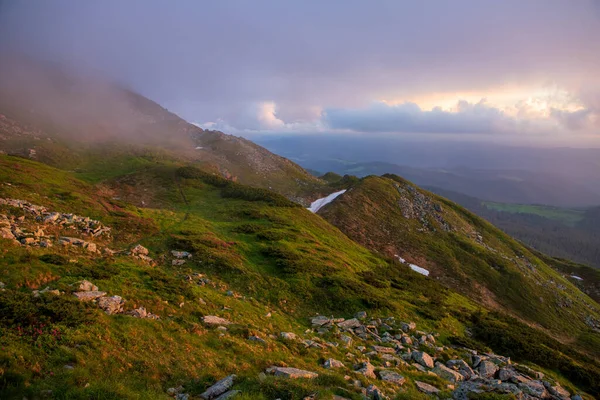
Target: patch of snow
x=320, y=203
x=414, y=267
x=577, y=277
x=199, y=148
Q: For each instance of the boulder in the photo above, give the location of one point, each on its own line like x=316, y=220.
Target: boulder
x=212, y=320
x=487, y=369
x=383, y=349
x=408, y=326
x=367, y=369
x=423, y=358
x=292, y=373
x=534, y=388
x=218, y=388
x=392, y=377
x=505, y=374
x=332, y=363
x=557, y=391
x=320, y=320
x=426, y=388
x=349, y=324
x=288, y=336
x=87, y=286
x=374, y=393
x=139, y=249
x=180, y=254
x=446, y=373
x=111, y=305
x=257, y=339
x=89, y=296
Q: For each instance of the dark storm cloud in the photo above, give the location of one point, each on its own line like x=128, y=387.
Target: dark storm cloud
x=212, y=60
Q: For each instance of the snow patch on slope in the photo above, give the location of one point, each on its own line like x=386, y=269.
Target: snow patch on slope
x=577, y=277
x=414, y=267
x=320, y=203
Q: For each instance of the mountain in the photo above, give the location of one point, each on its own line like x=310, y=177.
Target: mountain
x=134, y=265
x=63, y=119
x=462, y=251
x=504, y=186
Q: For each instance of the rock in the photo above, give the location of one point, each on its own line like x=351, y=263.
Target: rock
x=406, y=340
x=423, y=358
x=419, y=367
x=89, y=296
x=408, y=326
x=534, y=388
x=228, y=395
x=180, y=254
x=175, y=390
x=292, y=373
x=391, y=376
x=382, y=349
x=373, y=392
x=426, y=388
x=87, y=286
x=141, y=312
x=91, y=247
x=347, y=340
x=361, y=315
x=487, y=369
x=139, y=250
x=349, y=324
x=218, y=388
x=576, y=397
x=319, y=320
x=332, y=363
x=557, y=391
x=476, y=359
x=446, y=373
x=367, y=369
x=288, y=336
x=257, y=339
x=212, y=320
x=111, y=305
x=505, y=374
x=518, y=378
x=177, y=263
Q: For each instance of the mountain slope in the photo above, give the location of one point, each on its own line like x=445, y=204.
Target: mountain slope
x=61, y=119
x=462, y=251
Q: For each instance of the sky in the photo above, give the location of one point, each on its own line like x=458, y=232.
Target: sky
x=511, y=70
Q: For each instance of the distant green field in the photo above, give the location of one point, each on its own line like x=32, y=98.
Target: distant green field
x=568, y=216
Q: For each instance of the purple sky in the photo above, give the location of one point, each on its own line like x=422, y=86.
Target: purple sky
x=515, y=68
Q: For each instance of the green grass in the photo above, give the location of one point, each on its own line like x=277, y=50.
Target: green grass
x=567, y=216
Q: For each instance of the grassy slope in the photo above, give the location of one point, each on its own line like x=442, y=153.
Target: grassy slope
x=512, y=277
x=281, y=259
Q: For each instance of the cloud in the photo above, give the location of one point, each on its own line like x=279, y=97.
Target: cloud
x=410, y=118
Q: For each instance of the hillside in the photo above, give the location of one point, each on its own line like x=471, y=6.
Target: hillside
x=62, y=119
x=462, y=251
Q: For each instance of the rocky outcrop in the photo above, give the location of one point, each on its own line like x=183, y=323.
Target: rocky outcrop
x=219, y=388
x=292, y=373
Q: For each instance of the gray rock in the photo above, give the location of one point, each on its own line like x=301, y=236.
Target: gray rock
x=89, y=296
x=288, y=336
x=373, y=392
x=218, y=388
x=212, y=320
x=347, y=340
x=257, y=339
x=111, y=305
x=319, y=320
x=292, y=373
x=408, y=326
x=382, y=349
x=349, y=324
x=139, y=250
x=182, y=396
x=426, y=388
x=392, y=376
x=505, y=374
x=557, y=391
x=533, y=388
x=141, y=312
x=332, y=363
x=487, y=369
x=423, y=358
x=446, y=373
x=367, y=369
x=180, y=254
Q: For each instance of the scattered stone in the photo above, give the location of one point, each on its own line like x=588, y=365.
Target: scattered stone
x=534, y=388
x=228, y=395
x=426, y=388
x=288, y=336
x=382, y=349
x=180, y=254
x=257, y=339
x=423, y=358
x=89, y=296
x=349, y=324
x=212, y=320
x=408, y=326
x=320, y=320
x=177, y=263
x=139, y=250
x=141, y=312
x=446, y=373
x=111, y=305
x=175, y=390
x=487, y=369
x=367, y=369
x=373, y=392
x=391, y=376
x=87, y=286
x=292, y=373
x=331, y=363
x=219, y=388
